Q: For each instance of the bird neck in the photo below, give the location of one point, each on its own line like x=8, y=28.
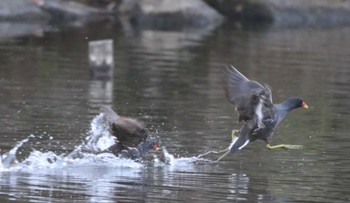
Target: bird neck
x=287, y=105
x=284, y=108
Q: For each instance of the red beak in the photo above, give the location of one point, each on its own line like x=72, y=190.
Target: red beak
x=304, y=105
x=155, y=147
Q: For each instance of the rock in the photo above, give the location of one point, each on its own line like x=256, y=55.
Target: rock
x=179, y=13
x=20, y=10
x=19, y=29
x=286, y=12
x=47, y=15
x=57, y=11
x=72, y=12
x=34, y=17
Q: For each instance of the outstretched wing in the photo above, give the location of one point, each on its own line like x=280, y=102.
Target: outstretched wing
x=129, y=132
x=248, y=96
x=109, y=113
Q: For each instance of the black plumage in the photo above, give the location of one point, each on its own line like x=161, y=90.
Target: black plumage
x=253, y=103
x=248, y=96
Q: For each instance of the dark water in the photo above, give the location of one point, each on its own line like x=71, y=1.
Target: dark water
x=172, y=81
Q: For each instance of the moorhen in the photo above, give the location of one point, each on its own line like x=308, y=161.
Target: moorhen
x=253, y=102
x=132, y=135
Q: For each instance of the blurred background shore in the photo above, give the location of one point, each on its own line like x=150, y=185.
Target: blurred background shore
x=34, y=17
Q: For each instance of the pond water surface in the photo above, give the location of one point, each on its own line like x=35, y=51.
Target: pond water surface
x=172, y=80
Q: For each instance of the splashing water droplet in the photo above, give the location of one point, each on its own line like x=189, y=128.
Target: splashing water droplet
x=87, y=154
x=9, y=158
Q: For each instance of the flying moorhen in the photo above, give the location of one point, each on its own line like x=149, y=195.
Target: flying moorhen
x=131, y=134
x=253, y=102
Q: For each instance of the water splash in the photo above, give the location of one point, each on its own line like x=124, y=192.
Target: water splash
x=99, y=137
x=9, y=158
x=170, y=159
x=87, y=154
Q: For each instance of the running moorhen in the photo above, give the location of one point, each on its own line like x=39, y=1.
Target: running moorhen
x=253, y=102
x=132, y=135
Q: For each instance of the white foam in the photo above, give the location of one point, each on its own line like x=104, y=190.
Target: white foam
x=180, y=162
x=98, y=138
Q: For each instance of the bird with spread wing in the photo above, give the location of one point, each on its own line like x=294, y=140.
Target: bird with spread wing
x=253, y=102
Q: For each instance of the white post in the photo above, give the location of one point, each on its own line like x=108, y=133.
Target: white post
x=101, y=62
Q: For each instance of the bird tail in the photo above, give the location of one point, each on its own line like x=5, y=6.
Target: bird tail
x=109, y=113
x=238, y=143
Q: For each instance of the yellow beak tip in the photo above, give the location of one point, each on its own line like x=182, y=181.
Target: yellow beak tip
x=304, y=105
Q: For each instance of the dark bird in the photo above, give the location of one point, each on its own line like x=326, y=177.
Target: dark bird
x=253, y=102
x=132, y=135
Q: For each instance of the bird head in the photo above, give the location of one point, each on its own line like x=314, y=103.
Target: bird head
x=293, y=103
x=147, y=145
x=304, y=105
x=154, y=146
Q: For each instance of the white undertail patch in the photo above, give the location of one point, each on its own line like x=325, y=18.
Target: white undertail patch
x=246, y=142
x=233, y=142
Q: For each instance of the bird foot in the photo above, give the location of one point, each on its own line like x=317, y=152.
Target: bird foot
x=284, y=146
x=212, y=152
x=227, y=151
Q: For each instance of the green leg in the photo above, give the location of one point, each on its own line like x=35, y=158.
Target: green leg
x=233, y=134
x=222, y=156
x=227, y=151
x=284, y=146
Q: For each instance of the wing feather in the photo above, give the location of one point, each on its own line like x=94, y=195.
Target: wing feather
x=245, y=94
x=129, y=131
